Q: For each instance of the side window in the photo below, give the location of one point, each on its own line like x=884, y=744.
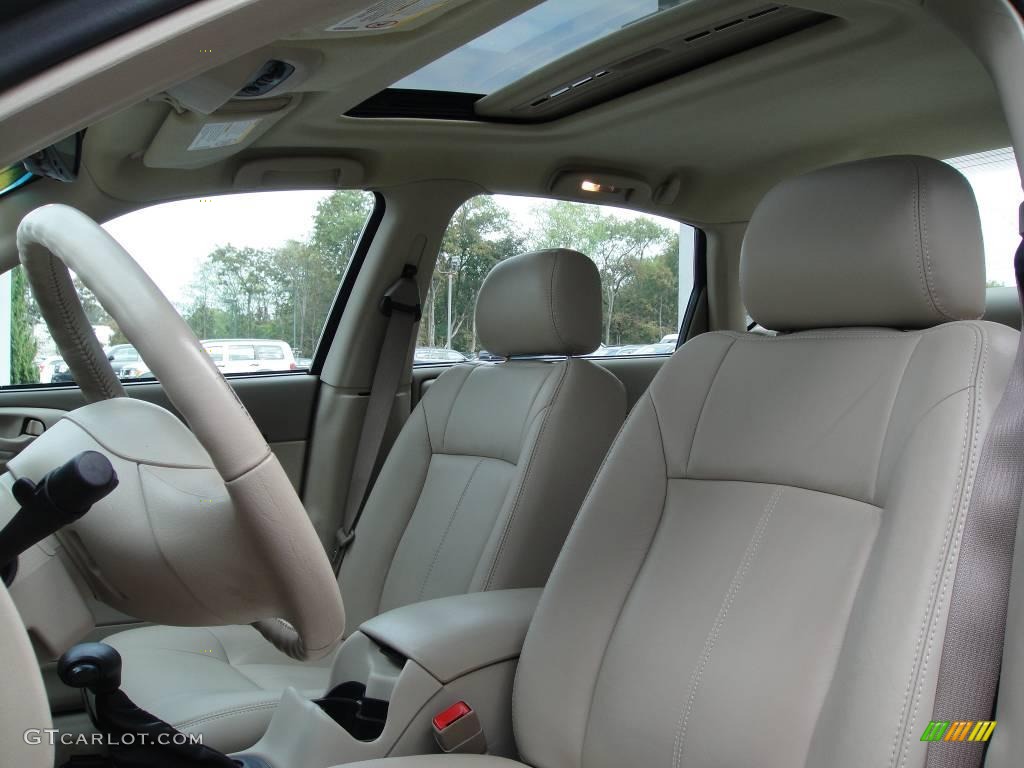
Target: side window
x=996, y=183
x=239, y=268
x=645, y=261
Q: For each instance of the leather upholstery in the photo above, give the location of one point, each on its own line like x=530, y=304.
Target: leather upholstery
x=777, y=593
x=477, y=493
x=892, y=242
x=23, y=703
x=541, y=303
x=452, y=636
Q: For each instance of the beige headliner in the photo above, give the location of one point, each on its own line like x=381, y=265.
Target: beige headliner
x=885, y=78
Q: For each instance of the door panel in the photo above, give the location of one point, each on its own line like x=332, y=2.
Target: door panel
x=20, y=426
x=280, y=404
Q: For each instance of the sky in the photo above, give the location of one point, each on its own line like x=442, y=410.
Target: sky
x=170, y=240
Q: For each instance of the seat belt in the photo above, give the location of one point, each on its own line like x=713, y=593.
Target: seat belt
x=972, y=652
x=401, y=305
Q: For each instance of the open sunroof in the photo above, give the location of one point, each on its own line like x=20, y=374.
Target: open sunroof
x=550, y=61
x=528, y=42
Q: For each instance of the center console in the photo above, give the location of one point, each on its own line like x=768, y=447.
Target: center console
x=396, y=672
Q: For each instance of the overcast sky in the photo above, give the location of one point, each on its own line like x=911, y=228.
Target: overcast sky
x=170, y=240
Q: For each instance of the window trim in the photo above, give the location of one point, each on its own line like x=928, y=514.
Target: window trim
x=700, y=283
x=348, y=281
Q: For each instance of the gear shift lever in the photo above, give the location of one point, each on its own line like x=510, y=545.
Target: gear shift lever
x=137, y=739
x=94, y=666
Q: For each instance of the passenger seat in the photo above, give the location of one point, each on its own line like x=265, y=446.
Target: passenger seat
x=478, y=493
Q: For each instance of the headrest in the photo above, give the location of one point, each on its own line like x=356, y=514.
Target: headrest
x=892, y=242
x=541, y=303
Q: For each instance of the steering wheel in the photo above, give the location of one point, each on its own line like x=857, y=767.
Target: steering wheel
x=204, y=528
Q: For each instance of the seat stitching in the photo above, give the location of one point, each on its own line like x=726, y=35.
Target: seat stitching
x=632, y=584
x=398, y=540
x=919, y=261
x=451, y=408
x=703, y=405
x=892, y=408
x=527, y=473
x=64, y=306
x=922, y=243
x=552, y=310
x=918, y=664
x=716, y=628
x=959, y=516
x=448, y=528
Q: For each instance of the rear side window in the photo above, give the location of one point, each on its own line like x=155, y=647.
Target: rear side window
x=645, y=262
x=269, y=352
x=237, y=352
x=239, y=268
x=996, y=183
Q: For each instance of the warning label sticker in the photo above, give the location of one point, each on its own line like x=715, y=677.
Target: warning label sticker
x=387, y=15
x=214, y=135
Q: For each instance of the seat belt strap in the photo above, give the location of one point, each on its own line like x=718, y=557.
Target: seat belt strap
x=401, y=305
x=972, y=652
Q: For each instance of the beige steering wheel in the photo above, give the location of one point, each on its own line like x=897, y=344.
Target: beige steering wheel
x=205, y=527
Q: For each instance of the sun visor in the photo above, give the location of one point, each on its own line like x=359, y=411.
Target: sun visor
x=191, y=140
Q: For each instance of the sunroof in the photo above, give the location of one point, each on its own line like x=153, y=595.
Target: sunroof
x=528, y=42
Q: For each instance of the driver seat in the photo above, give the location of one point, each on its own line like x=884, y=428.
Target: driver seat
x=760, y=575
x=478, y=492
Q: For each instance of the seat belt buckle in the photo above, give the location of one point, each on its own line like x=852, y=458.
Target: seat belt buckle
x=457, y=729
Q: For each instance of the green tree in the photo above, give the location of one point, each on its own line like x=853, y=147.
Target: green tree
x=479, y=236
x=281, y=293
x=618, y=245
x=23, y=343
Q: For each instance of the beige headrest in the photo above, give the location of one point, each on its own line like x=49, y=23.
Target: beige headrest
x=541, y=303
x=892, y=242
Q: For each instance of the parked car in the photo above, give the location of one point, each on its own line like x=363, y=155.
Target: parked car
x=304, y=362
x=126, y=361
x=250, y=355
x=59, y=372
x=438, y=355
x=488, y=357
x=661, y=348
x=46, y=367
x=670, y=338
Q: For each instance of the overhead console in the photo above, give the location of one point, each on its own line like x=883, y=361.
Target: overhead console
x=402, y=674
x=528, y=85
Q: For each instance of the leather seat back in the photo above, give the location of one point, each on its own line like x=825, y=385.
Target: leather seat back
x=491, y=467
x=760, y=574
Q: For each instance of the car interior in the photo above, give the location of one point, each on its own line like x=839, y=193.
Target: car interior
x=550, y=383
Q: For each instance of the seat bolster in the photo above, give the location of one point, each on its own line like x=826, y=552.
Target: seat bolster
x=560, y=456
x=589, y=585
x=387, y=512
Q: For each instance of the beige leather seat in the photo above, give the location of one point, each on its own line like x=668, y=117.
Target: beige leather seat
x=478, y=493
x=760, y=575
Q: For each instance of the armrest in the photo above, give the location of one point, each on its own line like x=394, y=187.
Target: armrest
x=451, y=636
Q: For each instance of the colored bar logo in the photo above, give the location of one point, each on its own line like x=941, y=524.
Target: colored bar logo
x=961, y=730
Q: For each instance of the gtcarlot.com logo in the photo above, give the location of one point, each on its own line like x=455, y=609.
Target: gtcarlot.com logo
x=53, y=737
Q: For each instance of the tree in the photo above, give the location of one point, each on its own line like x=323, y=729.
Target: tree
x=281, y=293
x=618, y=245
x=479, y=236
x=23, y=343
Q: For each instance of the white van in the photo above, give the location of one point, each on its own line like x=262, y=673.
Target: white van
x=250, y=355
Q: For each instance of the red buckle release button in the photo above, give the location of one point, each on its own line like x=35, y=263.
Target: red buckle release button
x=456, y=711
